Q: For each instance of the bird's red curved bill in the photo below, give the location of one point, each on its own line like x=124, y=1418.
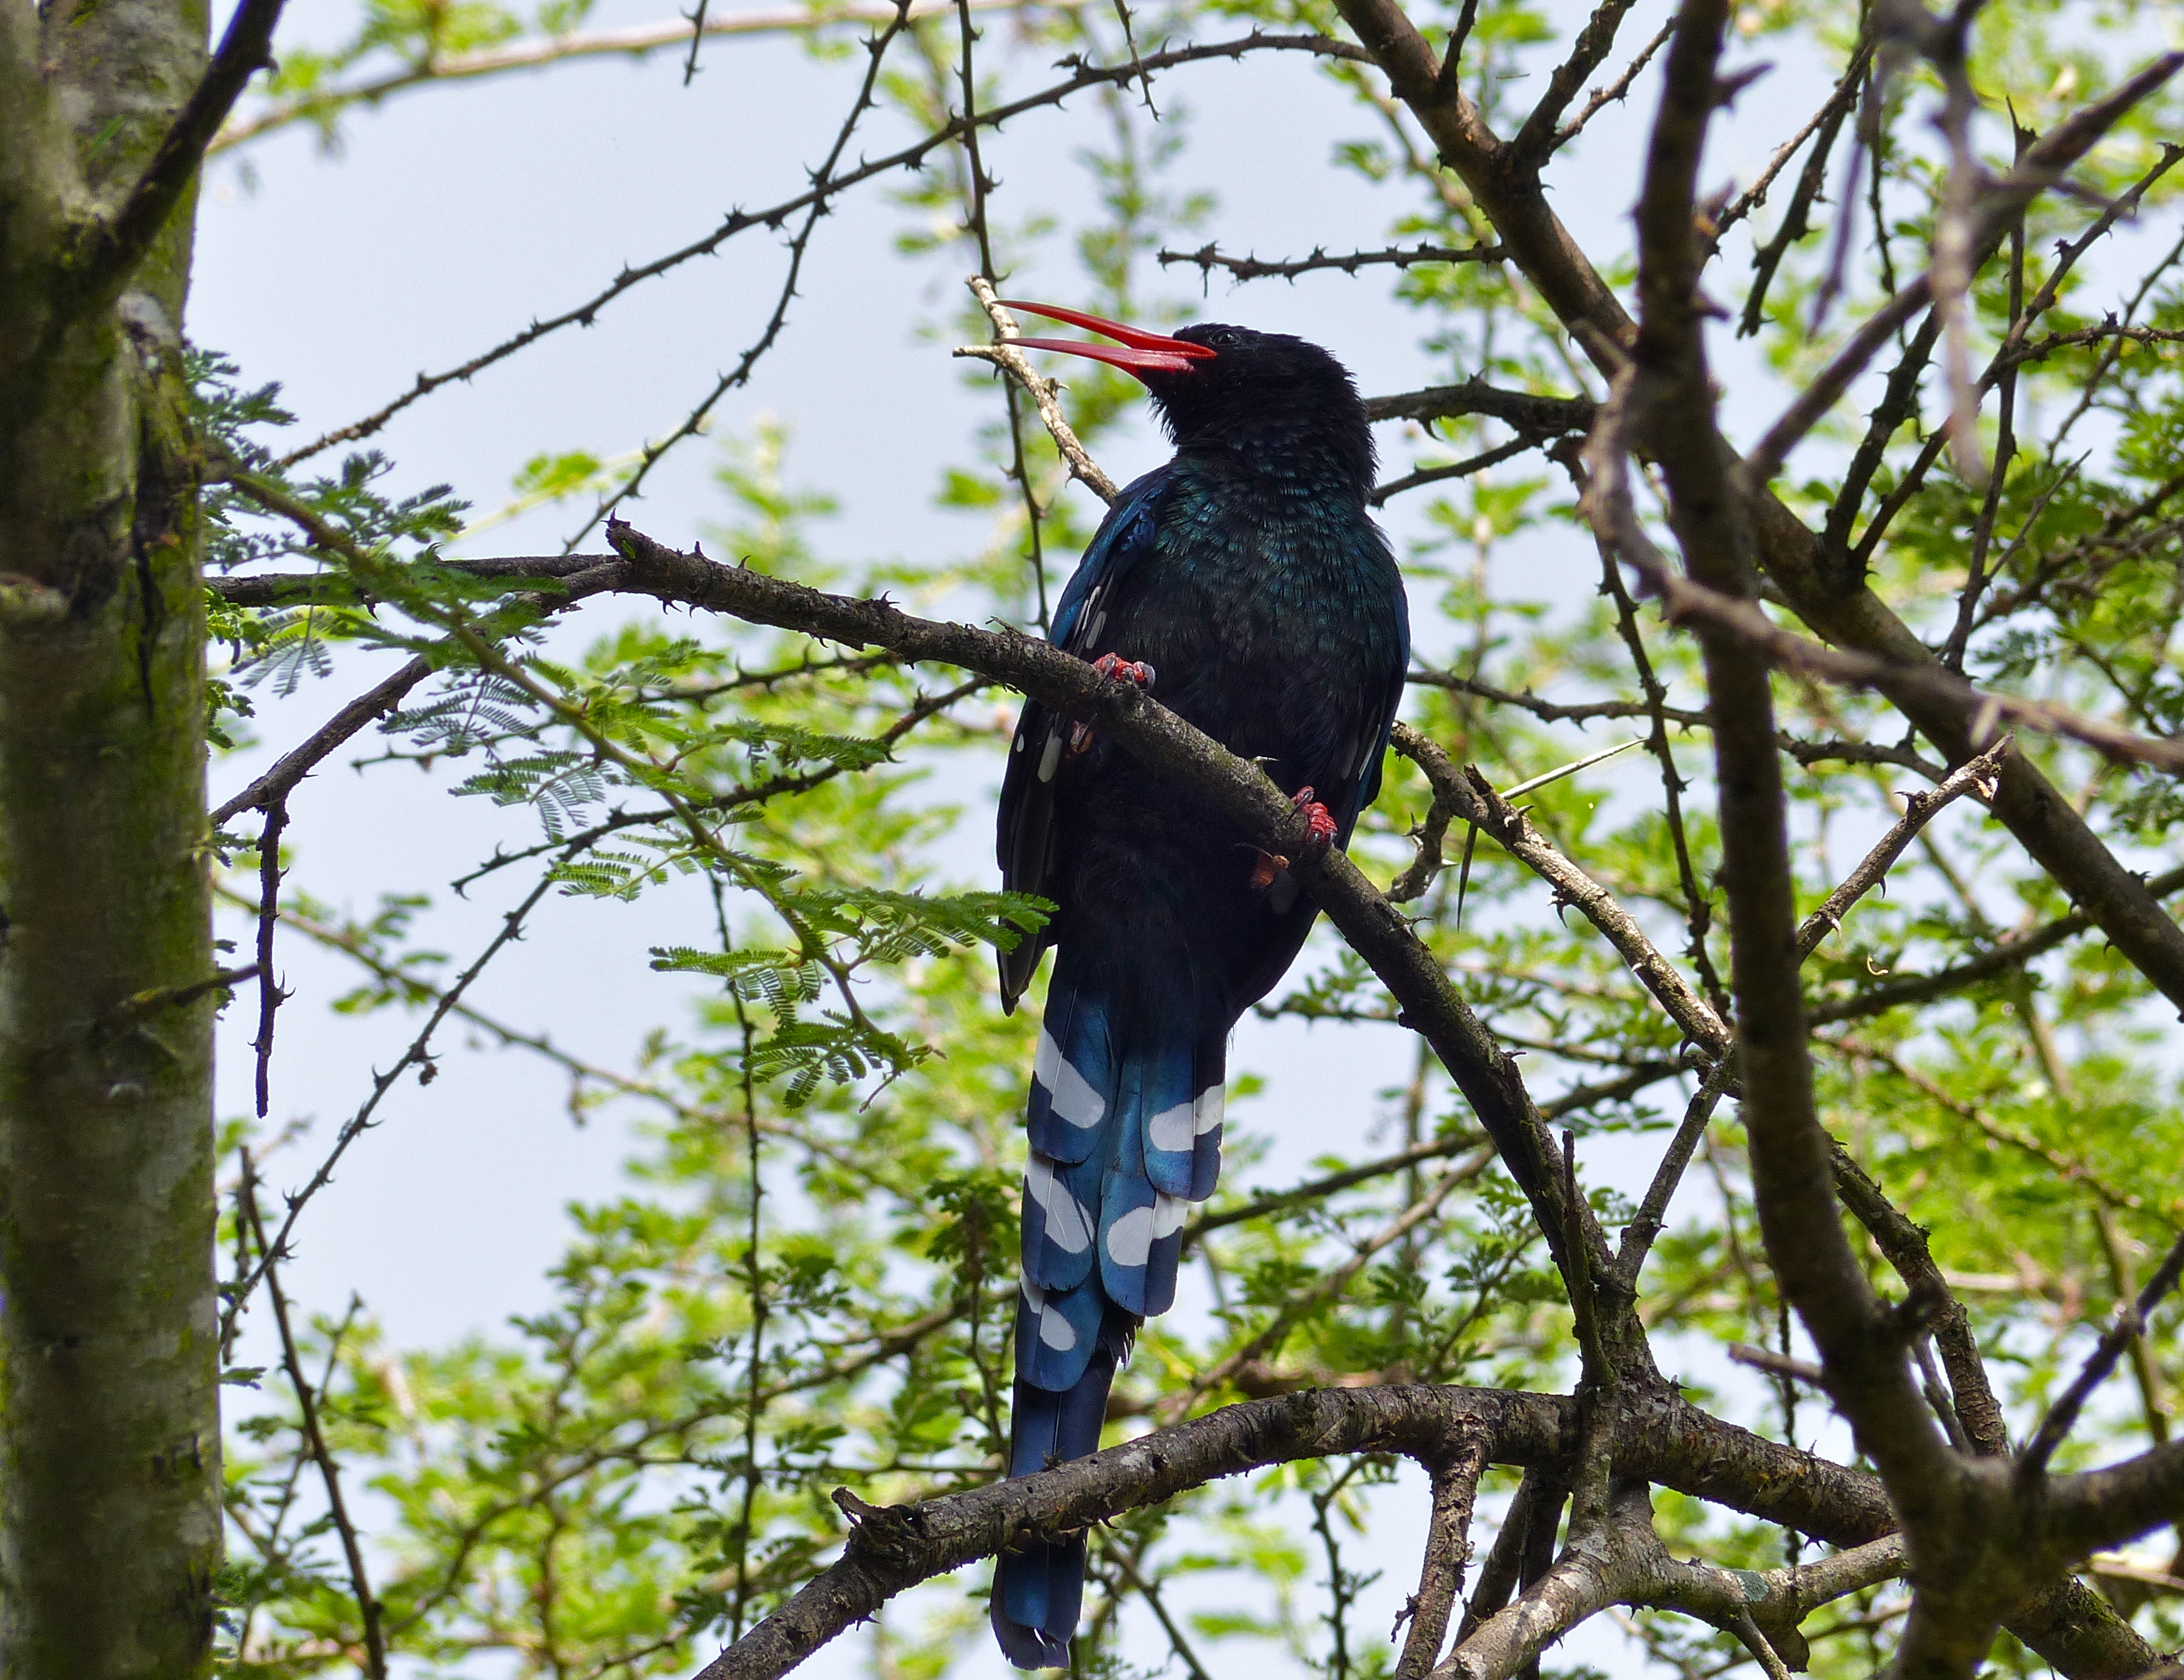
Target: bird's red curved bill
x=1138, y=351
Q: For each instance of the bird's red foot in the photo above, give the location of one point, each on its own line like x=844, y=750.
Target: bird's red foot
x=1319, y=827
x=1122, y=671
x=1319, y=834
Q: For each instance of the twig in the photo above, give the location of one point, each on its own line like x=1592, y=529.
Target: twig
x=1648, y=1222
x=697, y=33
x=367, y=1606
x=1972, y=1406
x=1448, y=1549
x=1265, y=1201
x=1613, y=92
x=245, y=48
x=1176, y=1405
x=2131, y=1321
x=1551, y=711
x=1461, y=469
x=271, y=993
x=1151, y=1594
x=2012, y=953
x=1521, y=410
x=1207, y=258
x=1536, y=138
x=1975, y=776
x=1698, y=903
x=416, y=1055
x=141, y=1006
x=540, y=51
x=1778, y=1365
x=271, y=789
x=1044, y=394
x=799, y=244
x=1829, y=117
x=821, y=192
x=1472, y=798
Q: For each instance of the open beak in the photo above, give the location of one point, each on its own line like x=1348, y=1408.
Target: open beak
x=1138, y=351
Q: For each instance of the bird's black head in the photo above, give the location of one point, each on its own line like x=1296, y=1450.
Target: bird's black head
x=1265, y=399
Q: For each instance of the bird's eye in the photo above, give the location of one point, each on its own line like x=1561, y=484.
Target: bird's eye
x=1224, y=339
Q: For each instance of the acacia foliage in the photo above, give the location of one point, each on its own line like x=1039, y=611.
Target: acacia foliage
x=809, y=1284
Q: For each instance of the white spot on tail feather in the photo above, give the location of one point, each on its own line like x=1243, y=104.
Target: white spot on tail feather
x=1069, y=1224
x=1130, y=1238
x=1068, y=1093
x=1170, y=1129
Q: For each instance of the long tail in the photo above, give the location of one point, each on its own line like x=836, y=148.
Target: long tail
x=1125, y=1132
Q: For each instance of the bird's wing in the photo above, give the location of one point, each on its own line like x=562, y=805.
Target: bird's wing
x=1030, y=784
x=1387, y=700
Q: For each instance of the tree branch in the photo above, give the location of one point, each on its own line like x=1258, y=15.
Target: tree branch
x=822, y=192
x=1207, y=258
x=1448, y=1549
x=115, y=247
x=1513, y=200
x=1979, y=776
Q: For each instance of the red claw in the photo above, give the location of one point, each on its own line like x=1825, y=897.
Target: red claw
x=1319, y=827
x=1319, y=834
x=1121, y=670
x=1126, y=671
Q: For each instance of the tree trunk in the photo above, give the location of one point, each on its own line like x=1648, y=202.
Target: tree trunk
x=109, y=1446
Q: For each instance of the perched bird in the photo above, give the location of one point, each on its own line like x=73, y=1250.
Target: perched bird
x=1244, y=584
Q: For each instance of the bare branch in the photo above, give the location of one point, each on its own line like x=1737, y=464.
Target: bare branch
x=1207, y=258
x=1535, y=140
x=822, y=192
x=893, y=1548
x=1474, y=799
x=1520, y=409
x=1044, y=394
x=315, y=1439
x=1904, y=1244
x=115, y=247
x=1461, y=469
x=269, y=789
x=1448, y=1549
x=2131, y=1322
x=1646, y=1223
x=1977, y=777
x=1613, y=92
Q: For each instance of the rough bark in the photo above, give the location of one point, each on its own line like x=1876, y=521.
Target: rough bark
x=109, y=1450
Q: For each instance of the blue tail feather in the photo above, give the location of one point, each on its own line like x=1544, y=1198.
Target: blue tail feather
x=1057, y=1332
x=1124, y=1123
x=1039, y=1584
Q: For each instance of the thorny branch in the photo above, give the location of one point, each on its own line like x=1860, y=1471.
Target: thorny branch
x=315, y=1439
x=1044, y=394
x=821, y=194
x=1207, y=258
x=417, y=1055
